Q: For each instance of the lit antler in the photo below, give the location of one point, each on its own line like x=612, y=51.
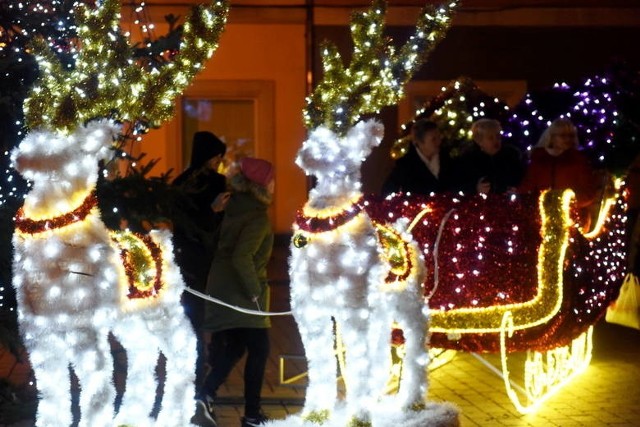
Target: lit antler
x=377, y=74
x=106, y=80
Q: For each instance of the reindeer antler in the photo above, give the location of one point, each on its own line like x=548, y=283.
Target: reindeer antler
x=377, y=74
x=107, y=81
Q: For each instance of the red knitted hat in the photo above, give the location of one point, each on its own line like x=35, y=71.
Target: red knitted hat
x=257, y=170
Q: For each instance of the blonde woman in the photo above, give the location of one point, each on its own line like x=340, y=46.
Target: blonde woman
x=557, y=163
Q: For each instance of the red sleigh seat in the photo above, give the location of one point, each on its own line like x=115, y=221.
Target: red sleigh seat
x=524, y=254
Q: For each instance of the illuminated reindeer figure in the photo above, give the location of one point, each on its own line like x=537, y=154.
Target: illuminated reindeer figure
x=365, y=275
x=75, y=281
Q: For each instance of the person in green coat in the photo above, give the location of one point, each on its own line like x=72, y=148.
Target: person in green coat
x=238, y=276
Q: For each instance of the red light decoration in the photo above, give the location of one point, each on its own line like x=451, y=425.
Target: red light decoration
x=499, y=253
x=35, y=226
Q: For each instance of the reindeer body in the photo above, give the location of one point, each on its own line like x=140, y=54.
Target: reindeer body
x=72, y=289
x=338, y=270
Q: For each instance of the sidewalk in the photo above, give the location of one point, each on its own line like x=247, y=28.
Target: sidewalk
x=606, y=394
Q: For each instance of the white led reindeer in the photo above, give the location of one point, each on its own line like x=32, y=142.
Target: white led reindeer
x=75, y=281
x=74, y=287
x=343, y=265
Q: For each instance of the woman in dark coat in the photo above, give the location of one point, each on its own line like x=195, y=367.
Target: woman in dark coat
x=238, y=276
x=425, y=168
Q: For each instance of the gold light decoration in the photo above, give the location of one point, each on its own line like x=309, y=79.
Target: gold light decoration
x=454, y=109
x=544, y=373
x=107, y=82
x=377, y=73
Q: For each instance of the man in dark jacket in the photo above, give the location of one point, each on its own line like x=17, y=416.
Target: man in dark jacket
x=489, y=166
x=195, y=244
x=425, y=168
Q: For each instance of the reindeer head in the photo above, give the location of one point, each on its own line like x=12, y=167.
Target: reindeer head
x=44, y=156
x=326, y=153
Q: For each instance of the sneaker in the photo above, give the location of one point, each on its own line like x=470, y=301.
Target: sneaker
x=259, y=420
x=205, y=415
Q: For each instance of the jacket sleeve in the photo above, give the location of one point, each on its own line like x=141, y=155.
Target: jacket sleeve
x=529, y=181
x=249, y=242
x=393, y=183
x=586, y=187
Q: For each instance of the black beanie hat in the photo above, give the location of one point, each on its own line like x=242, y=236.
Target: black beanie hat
x=205, y=147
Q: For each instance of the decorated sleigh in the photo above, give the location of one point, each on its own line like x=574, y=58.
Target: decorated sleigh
x=515, y=274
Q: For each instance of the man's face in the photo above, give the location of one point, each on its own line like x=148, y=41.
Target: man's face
x=214, y=162
x=430, y=143
x=490, y=142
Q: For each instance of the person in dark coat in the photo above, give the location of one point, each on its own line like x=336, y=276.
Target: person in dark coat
x=238, y=276
x=205, y=189
x=490, y=166
x=426, y=168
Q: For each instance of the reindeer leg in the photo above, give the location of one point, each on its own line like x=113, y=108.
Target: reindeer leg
x=378, y=352
x=360, y=398
x=52, y=378
x=142, y=355
x=177, y=342
x=413, y=322
x=93, y=367
x=316, y=332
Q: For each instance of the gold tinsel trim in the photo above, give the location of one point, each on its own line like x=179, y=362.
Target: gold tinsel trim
x=377, y=73
x=107, y=81
x=317, y=417
x=357, y=422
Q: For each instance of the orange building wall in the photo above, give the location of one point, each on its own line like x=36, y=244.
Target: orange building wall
x=273, y=52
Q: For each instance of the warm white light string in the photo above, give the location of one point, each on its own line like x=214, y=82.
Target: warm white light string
x=435, y=254
x=236, y=308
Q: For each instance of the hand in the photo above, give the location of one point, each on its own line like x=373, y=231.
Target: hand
x=483, y=186
x=220, y=202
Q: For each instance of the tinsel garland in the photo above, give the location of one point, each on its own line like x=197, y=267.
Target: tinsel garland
x=34, y=226
x=397, y=252
x=141, y=258
x=318, y=224
x=395, y=249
